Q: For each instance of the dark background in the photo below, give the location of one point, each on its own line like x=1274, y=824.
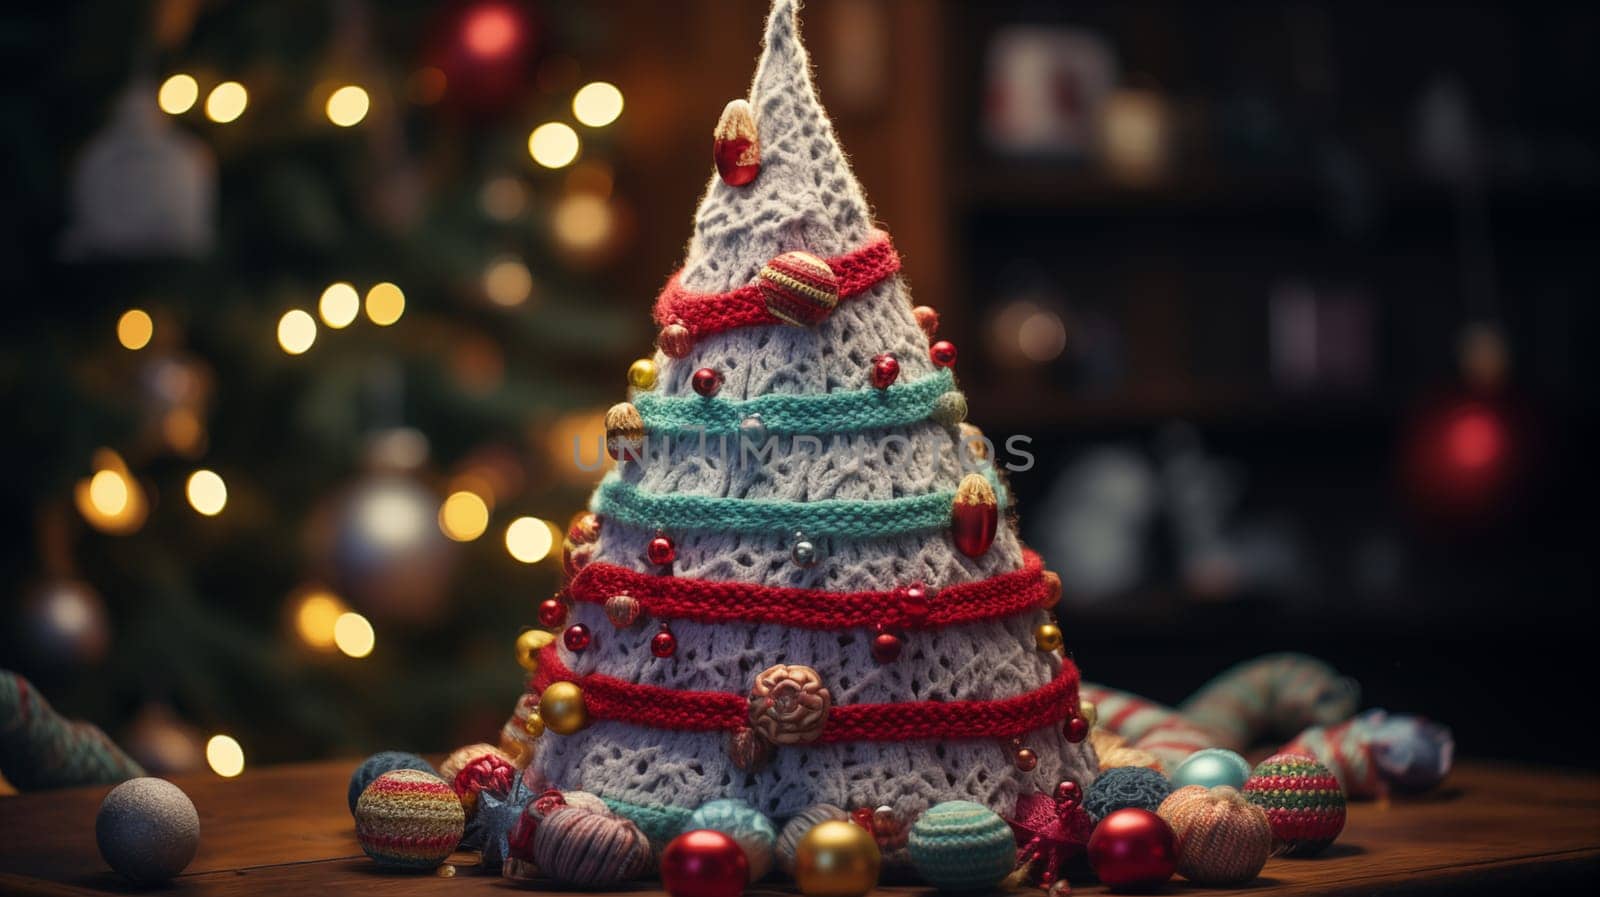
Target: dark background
x=1325, y=342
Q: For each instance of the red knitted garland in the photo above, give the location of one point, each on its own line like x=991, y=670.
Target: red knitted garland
x=606, y=697
x=709, y=601
x=707, y=313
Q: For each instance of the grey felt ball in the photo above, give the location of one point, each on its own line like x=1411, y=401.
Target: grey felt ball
x=147, y=829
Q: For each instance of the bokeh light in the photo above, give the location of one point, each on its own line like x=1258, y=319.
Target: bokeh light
x=207, y=493
x=108, y=492
x=225, y=756
x=490, y=31
x=503, y=198
x=463, y=516
x=597, y=104
x=348, y=105
x=529, y=539
x=110, y=499
x=1475, y=440
x=507, y=282
x=581, y=222
x=315, y=616
x=226, y=102
x=297, y=330
x=353, y=635
x=1042, y=337
x=178, y=94
x=385, y=304
x=339, y=305
x=135, y=328
x=553, y=144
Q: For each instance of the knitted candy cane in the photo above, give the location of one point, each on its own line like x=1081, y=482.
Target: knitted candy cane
x=1146, y=725
x=40, y=749
x=1346, y=749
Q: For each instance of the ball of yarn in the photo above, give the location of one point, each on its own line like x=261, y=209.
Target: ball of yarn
x=1211, y=768
x=378, y=764
x=147, y=829
x=488, y=772
x=1123, y=787
x=746, y=825
x=796, y=828
x=1303, y=801
x=590, y=848
x=962, y=846
x=408, y=819
x=1223, y=839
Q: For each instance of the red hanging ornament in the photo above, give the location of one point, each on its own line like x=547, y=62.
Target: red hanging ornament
x=943, y=353
x=736, y=145
x=1075, y=729
x=886, y=647
x=661, y=551
x=927, y=319
x=885, y=369
x=799, y=288
x=974, y=516
x=576, y=638
x=1025, y=759
x=675, y=340
x=552, y=612
x=1133, y=849
x=1051, y=832
x=664, y=644
x=584, y=528
x=862, y=816
x=707, y=381
x=914, y=604
x=704, y=863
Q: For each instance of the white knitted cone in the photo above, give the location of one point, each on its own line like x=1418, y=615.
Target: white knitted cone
x=806, y=198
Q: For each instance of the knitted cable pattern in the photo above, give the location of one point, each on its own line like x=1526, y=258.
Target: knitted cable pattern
x=607, y=697
x=835, y=412
x=837, y=518
x=712, y=601
x=707, y=313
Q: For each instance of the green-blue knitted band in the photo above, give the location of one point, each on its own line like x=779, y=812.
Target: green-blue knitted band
x=833, y=517
x=835, y=412
x=659, y=824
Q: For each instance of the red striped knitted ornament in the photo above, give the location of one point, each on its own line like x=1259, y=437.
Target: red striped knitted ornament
x=408, y=819
x=1303, y=800
x=799, y=288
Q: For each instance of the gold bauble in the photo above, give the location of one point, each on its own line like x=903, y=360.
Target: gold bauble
x=642, y=374
x=1089, y=712
x=837, y=859
x=561, y=708
x=1047, y=636
x=534, y=725
x=529, y=644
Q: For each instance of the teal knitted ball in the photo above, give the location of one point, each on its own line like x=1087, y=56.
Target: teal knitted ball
x=1211, y=768
x=744, y=824
x=1124, y=787
x=962, y=846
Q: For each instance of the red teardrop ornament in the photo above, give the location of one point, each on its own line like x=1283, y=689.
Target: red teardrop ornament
x=862, y=816
x=661, y=551
x=1076, y=729
x=943, y=353
x=886, y=647
x=707, y=381
x=736, y=146
x=576, y=637
x=552, y=612
x=664, y=643
x=885, y=369
x=675, y=340
x=975, y=516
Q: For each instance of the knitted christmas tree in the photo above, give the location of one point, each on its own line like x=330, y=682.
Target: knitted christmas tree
x=798, y=585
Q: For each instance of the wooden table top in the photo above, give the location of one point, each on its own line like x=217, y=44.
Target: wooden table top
x=286, y=830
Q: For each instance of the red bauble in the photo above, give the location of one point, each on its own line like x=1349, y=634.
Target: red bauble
x=552, y=612
x=943, y=353
x=675, y=340
x=1076, y=729
x=886, y=647
x=1133, y=849
x=704, y=863
x=736, y=145
x=927, y=319
x=661, y=551
x=576, y=637
x=885, y=369
x=862, y=816
x=664, y=643
x=707, y=381
x=975, y=516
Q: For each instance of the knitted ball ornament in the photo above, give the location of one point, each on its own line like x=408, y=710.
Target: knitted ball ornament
x=147, y=829
x=1123, y=787
x=745, y=825
x=590, y=848
x=378, y=764
x=1212, y=767
x=1303, y=802
x=962, y=846
x=408, y=819
x=796, y=828
x=1223, y=839
x=490, y=771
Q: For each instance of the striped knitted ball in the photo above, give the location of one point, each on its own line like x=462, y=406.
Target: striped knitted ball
x=746, y=825
x=1124, y=787
x=1223, y=839
x=590, y=848
x=1303, y=801
x=799, y=288
x=378, y=764
x=962, y=846
x=408, y=819
x=797, y=826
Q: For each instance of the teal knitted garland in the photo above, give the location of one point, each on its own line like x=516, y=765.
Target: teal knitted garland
x=846, y=411
x=962, y=846
x=844, y=518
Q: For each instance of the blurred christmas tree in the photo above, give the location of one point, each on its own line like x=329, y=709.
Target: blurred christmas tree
x=306, y=300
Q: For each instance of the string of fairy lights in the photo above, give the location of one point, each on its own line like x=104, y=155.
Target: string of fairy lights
x=113, y=501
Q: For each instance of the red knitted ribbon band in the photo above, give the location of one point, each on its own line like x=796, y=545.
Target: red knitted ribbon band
x=707, y=313
x=606, y=697
x=707, y=601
